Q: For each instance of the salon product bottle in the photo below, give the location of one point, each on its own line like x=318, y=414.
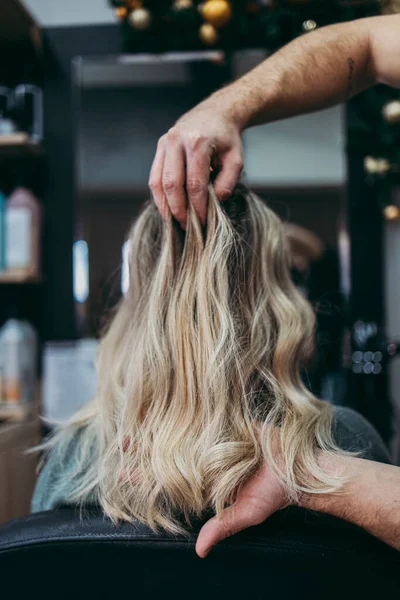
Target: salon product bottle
x=28, y=110
x=7, y=125
x=2, y=231
x=23, y=234
x=12, y=340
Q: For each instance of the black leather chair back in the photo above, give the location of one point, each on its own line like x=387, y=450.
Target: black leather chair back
x=295, y=554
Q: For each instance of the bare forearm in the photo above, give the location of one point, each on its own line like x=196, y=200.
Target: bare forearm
x=371, y=499
x=315, y=71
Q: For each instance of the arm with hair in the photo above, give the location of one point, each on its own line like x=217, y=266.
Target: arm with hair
x=314, y=71
x=370, y=499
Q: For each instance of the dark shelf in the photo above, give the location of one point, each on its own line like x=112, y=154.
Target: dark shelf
x=18, y=145
x=12, y=278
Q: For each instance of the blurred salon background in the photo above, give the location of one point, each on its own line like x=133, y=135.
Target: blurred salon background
x=86, y=89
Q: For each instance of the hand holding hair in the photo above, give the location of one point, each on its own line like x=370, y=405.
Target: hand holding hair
x=201, y=139
x=369, y=499
x=259, y=498
x=321, y=69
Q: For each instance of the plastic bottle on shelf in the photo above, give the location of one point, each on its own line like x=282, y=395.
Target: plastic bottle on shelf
x=12, y=341
x=7, y=125
x=22, y=218
x=2, y=231
x=19, y=351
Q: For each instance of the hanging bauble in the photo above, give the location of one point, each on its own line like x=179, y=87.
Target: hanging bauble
x=208, y=34
x=140, y=19
x=376, y=166
x=391, y=212
x=121, y=12
x=182, y=4
x=391, y=111
x=217, y=12
x=309, y=25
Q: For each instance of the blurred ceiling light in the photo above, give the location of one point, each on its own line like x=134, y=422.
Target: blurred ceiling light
x=80, y=257
x=125, y=268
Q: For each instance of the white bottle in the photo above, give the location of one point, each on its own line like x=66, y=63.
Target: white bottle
x=14, y=341
x=22, y=218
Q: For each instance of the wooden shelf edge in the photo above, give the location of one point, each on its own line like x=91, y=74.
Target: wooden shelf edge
x=18, y=144
x=21, y=413
x=19, y=279
x=17, y=413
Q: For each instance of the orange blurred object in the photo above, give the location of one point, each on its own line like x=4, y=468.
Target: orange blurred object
x=121, y=12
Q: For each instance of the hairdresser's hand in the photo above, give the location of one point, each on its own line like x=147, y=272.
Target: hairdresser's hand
x=259, y=498
x=370, y=500
x=204, y=137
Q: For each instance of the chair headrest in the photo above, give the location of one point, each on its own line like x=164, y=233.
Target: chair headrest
x=292, y=528
x=293, y=554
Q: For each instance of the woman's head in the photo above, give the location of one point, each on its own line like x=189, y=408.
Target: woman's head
x=200, y=366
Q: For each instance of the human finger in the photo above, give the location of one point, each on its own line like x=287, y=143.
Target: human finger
x=155, y=178
x=173, y=177
x=198, y=153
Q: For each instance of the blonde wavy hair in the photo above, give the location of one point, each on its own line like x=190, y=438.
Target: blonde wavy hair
x=199, y=372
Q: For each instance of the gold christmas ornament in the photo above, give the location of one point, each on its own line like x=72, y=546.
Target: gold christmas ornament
x=208, y=34
x=391, y=212
x=134, y=3
x=217, y=12
x=182, y=4
x=391, y=111
x=140, y=19
x=121, y=12
x=376, y=166
x=309, y=25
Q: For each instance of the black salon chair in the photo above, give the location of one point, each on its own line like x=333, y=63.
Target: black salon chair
x=295, y=554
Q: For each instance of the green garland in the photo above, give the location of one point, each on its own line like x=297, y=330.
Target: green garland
x=178, y=25
x=374, y=132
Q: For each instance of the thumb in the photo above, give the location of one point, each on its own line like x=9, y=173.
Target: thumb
x=237, y=517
